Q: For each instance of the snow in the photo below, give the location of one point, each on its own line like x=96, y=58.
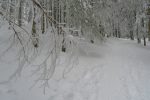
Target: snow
x=118, y=69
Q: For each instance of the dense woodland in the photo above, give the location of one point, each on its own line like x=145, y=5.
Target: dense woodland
x=55, y=26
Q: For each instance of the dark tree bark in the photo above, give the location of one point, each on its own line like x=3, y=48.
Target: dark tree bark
x=20, y=14
x=35, y=40
x=131, y=35
x=149, y=30
x=144, y=38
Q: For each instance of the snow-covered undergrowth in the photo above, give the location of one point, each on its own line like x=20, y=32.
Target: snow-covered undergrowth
x=116, y=70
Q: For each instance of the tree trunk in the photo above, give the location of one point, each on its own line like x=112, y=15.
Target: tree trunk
x=149, y=30
x=119, y=33
x=43, y=20
x=20, y=13
x=139, y=40
x=148, y=36
x=9, y=11
x=43, y=24
x=144, y=40
x=35, y=40
x=131, y=35
x=137, y=34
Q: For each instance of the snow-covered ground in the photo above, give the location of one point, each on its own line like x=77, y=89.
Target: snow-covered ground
x=118, y=69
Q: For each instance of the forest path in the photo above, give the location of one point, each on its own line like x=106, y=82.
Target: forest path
x=118, y=69
x=126, y=71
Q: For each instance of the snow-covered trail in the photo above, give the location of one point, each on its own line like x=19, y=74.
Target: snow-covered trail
x=126, y=72
x=116, y=70
x=120, y=72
